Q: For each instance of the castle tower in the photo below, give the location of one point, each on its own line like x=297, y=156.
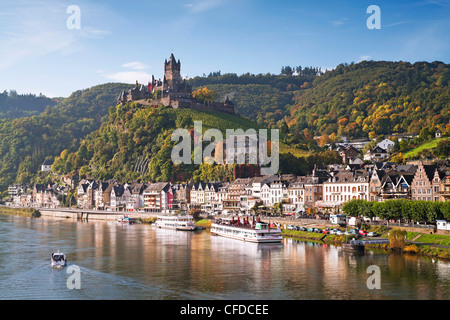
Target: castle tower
x=172, y=72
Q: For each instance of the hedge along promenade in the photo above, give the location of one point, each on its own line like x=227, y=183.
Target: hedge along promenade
x=409, y=210
x=27, y=212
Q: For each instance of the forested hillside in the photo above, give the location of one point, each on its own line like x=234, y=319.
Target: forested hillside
x=372, y=98
x=27, y=141
x=135, y=144
x=264, y=98
x=136, y=135
x=14, y=105
x=359, y=100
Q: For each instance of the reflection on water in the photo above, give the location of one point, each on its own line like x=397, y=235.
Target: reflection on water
x=119, y=261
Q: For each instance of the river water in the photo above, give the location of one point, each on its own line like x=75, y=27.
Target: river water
x=118, y=261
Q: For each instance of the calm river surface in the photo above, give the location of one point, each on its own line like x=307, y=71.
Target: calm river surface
x=140, y=262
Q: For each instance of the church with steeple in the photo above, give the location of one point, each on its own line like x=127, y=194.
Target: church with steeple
x=172, y=91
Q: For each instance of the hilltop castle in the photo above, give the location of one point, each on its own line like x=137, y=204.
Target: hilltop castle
x=172, y=91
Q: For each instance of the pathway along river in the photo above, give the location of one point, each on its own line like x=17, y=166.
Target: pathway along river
x=140, y=262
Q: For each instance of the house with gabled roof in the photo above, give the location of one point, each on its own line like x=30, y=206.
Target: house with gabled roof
x=376, y=154
x=349, y=154
x=426, y=182
x=396, y=185
x=47, y=165
x=102, y=195
x=136, y=199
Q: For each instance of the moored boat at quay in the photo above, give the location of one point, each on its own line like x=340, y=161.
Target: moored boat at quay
x=183, y=223
x=353, y=246
x=255, y=231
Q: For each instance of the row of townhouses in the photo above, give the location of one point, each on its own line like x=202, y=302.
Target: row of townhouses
x=326, y=187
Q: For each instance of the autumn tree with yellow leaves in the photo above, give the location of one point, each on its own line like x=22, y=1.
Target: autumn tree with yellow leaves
x=204, y=94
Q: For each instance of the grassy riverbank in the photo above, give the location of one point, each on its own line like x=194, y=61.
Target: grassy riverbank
x=433, y=245
x=25, y=212
x=418, y=249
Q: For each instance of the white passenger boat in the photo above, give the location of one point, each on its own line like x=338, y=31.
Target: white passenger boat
x=58, y=260
x=185, y=223
x=259, y=232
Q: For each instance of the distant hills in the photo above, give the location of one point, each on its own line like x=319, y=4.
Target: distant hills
x=14, y=105
x=89, y=134
x=353, y=100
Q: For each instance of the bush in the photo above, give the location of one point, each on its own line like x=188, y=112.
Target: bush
x=149, y=220
x=204, y=223
x=412, y=248
x=397, y=239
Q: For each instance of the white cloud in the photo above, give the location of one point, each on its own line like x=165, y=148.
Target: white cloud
x=136, y=65
x=203, y=5
x=439, y=3
x=129, y=76
x=338, y=22
x=93, y=33
x=362, y=58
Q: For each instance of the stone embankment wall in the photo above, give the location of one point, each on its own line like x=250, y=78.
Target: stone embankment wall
x=83, y=215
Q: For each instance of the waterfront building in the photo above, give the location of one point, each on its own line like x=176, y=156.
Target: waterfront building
x=197, y=194
x=444, y=190
x=181, y=195
x=375, y=184
x=265, y=193
x=278, y=192
x=314, y=187
x=345, y=185
x=82, y=198
x=236, y=189
x=296, y=193
x=102, y=195
x=396, y=184
x=155, y=197
x=426, y=184
x=136, y=198
x=90, y=194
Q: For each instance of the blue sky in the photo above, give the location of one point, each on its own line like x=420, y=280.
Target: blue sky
x=125, y=41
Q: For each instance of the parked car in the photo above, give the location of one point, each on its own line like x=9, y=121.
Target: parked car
x=310, y=229
x=326, y=231
x=317, y=230
x=291, y=227
x=372, y=234
x=363, y=232
x=302, y=229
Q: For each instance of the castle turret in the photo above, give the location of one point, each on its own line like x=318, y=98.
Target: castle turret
x=172, y=72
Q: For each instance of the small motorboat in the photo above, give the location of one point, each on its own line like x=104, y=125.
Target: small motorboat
x=58, y=260
x=126, y=219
